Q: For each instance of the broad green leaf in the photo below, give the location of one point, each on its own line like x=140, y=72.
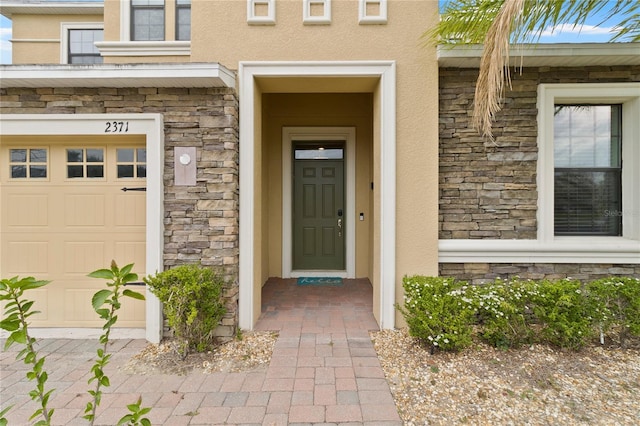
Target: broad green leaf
x=126, y=269
x=129, y=278
x=102, y=273
x=31, y=283
x=19, y=336
x=99, y=298
x=125, y=420
x=10, y=324
x=145, y=422
x=104, y=381
x=133, y=294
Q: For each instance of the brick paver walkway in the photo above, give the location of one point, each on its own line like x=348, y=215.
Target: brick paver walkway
x=324, y=370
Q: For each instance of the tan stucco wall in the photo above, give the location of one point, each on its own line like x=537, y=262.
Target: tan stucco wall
x=325, y=109
x=41, y=27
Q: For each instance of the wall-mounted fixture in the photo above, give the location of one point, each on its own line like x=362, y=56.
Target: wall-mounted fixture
x=184, y=166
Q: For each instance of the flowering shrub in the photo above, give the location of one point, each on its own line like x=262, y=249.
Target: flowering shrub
x=617, y=301
x=435, y=312
x=443, y=312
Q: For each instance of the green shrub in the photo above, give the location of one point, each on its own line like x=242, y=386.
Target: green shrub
x=192, y=298
x=436, y=313
x=503, y=309
x=563, y=310
x=617, y=305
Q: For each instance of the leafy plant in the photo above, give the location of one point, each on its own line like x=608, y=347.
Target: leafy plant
x=192, y=298
x=106, y=303
x=562, y=309
x=134, y=418
x=617, y=305
x=17, y=311
x=503, y=312
x=436, y=313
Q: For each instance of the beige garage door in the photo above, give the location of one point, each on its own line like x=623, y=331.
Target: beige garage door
x=63, y=214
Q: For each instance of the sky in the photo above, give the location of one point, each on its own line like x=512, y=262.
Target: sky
x=590, y=33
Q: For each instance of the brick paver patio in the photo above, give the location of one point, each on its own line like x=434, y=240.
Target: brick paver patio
x=324, y=370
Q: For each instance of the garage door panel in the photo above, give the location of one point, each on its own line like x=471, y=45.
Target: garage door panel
x=83, y=257
x=132, y=252
x=84, y=210
x=130, y=210
x=27, y=258
x=27, y=210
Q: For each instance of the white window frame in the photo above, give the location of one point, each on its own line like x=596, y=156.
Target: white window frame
x=309, y=19
x=365, y=19
x=253, y=19
x=604, y=93
x=64, y=35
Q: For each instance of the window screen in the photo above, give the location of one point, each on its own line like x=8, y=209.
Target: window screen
x=183, y=19
x=147, y=20
x=82, y=48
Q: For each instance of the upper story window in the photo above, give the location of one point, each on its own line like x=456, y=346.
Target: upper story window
x=588, y=170
x=82, y=48
x=261, y=12
x=316, y=12
x=147, y=20
x=183, y=19
x=372, y=11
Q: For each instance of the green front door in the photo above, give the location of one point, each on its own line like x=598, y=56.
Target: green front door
x=318, y=214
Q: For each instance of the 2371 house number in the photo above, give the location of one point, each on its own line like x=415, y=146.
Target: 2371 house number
x=116, y=127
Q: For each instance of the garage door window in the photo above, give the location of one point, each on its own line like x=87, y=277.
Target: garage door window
x=85, y=163
x=132, y=163
x=28, y=163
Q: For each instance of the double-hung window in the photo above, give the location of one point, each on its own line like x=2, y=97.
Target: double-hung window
x=587, y=146
x=147, y=20
x=183, y=19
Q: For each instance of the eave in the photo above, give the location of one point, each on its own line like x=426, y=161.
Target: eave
x=117, y=75
x=51, y=8
x=552, y=55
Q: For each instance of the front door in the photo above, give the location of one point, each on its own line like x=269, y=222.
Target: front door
x=318, y=206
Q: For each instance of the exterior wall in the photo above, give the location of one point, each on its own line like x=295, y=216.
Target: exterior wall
x=201, y=221
x=45, y=28
x=489, y=191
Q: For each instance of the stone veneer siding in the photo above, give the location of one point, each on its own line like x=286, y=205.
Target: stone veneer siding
x=201, y=221
x=488, y=190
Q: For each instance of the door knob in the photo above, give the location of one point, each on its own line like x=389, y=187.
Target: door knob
x=339, y=227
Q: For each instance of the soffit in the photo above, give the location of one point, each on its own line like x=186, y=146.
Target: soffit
x=117, y=75
x=552, y=55
x=9, y=9
x=317, y=84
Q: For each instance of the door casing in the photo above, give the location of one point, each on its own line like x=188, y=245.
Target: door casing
x=348, y=136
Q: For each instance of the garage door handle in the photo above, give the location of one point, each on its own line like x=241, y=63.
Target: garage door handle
x=138, y=283
x=125, y=189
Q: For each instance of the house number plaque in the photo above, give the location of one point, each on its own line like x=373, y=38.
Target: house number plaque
x=116, y=127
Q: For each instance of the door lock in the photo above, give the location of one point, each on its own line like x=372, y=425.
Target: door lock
x=339, y=227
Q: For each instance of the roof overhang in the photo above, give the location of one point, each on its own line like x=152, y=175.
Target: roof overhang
x=551, y=55
x=52, y=8
x=117, y=75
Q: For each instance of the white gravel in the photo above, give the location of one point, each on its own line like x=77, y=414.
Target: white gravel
x=535, y=385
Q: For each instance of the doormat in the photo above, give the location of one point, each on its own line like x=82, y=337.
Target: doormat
x=320, y=281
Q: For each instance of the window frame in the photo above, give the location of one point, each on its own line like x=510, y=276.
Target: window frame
x=365, y=19
x=85, y=163
x=28, y=163
x=65, y=27
x=626, y=94
x=309, y=19
x=269, y=19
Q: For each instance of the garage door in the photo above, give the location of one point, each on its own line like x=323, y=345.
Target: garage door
x=63, y=214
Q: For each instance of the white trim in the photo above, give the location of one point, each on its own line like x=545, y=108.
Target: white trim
x=386, y=72
x=64, y=35
x=253, y=19
x=125, y=20
x=150, y=125
x=348, y=135
x=365, y=19
x=144, y=48
x=309, y=19
x=548, y=248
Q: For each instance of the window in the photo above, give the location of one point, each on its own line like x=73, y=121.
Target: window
x=82, y=48
x=589, y=166
x=147, y=20
x=183, y=19
x=316, y=12
x=588, y=170
x=85, y=163
x=131, y=162
x=261, y=12
x=372, y=11
x=28, y=163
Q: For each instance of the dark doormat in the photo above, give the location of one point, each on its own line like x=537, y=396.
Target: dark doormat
x=320, y=281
